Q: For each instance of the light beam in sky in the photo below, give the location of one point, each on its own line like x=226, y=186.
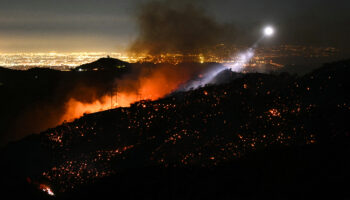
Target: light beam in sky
x=240, y=61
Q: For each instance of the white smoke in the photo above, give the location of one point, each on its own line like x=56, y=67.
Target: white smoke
x=238, y=65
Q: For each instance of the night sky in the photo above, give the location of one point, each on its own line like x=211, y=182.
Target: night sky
x=106, y=25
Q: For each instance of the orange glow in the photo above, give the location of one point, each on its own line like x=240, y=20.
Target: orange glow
x=76, y=109
x=153, y=86
x=274, y=112
x=46, y=189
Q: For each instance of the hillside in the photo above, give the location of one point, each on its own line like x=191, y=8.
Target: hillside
x=35, y=98
x=260, y=135
x=107, y=64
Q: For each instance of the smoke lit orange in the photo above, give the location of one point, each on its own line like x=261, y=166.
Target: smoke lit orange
x=152, y=86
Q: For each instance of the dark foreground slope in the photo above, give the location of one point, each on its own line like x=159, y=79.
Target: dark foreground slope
x=259, y=136
x=36, y=98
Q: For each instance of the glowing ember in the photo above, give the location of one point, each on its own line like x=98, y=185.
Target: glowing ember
x=46, y=189
x=274, y=112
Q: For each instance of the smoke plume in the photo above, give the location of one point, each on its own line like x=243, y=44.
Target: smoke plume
x=185, y=28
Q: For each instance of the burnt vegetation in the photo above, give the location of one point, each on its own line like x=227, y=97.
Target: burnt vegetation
x=258, y=136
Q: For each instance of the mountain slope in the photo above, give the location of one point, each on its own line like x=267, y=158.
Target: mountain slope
x=260, y=133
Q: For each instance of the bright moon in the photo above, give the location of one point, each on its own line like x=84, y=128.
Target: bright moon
x=269, y=31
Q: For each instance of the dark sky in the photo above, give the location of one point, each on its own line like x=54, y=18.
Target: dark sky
x=110, y=25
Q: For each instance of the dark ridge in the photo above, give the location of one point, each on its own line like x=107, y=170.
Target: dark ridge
x=107, y=64
x=4, y=69
x=41, y=69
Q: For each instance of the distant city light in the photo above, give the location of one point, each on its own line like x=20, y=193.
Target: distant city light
x=269, y=31
x=68, y=61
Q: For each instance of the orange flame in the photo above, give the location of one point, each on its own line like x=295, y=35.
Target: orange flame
x=154, y=86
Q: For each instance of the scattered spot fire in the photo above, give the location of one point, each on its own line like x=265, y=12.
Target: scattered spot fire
x=186, y=129
x=46, y=189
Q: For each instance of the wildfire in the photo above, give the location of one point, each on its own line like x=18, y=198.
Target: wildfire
x=76, y=109
x=151, y=87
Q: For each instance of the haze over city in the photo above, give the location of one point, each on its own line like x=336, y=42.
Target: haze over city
x=111, y=26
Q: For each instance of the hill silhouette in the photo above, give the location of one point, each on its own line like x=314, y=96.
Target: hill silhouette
x=4, y=69
x=107, y=64
x=258, y=136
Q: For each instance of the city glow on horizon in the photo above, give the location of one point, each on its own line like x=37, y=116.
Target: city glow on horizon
x=66, y=61
x=52, y=59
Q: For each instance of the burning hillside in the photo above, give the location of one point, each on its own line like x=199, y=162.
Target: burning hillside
x=224, y=131
x=144, y=82
x=50, y=97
